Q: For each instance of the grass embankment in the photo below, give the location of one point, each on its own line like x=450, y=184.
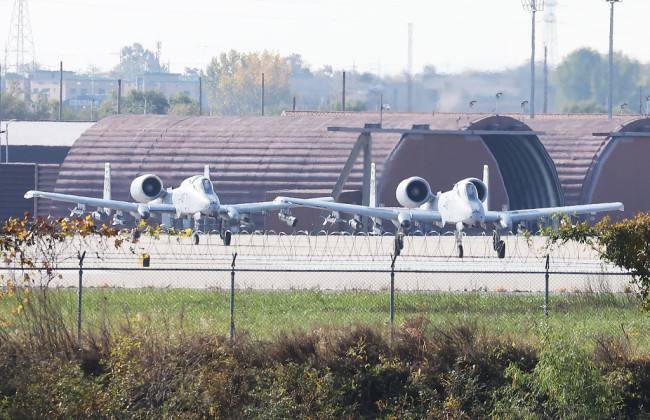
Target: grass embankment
x=265, y=314
x=149, y=353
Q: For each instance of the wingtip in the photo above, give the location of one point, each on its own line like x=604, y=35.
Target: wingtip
x=29, y=194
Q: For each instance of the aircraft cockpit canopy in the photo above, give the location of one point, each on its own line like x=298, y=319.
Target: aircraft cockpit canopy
x=203, y=184
x=470, y=191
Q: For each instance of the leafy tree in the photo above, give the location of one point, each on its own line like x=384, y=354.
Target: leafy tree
x=354, y=105
x=13, y=107
x=151, y=101
x=136, y=60
x=625, y=244
x=583, y=107
x=582, y=80
x=234, y=80
x=44, y=108
x=298, y=67
x=182, y=104
x=192, y=72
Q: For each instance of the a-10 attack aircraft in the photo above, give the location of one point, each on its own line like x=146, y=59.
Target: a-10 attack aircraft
x=465, y=205
x=194, y=199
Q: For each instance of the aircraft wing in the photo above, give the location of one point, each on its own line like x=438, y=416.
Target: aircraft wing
x=508, y=218
x=99, y=202
x=389, y=213
x=232, y=211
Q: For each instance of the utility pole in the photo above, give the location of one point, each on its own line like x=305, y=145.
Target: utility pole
x=343, y=102
x=545, y=79
x=119, y=95
x=262, y=94
x=200, y=97
x=611, y=57
x=532, y=6
x=409, y=71
x=61, y=91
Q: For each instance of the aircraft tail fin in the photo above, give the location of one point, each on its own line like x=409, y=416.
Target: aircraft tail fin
x=206, y=171
x=486, y=181
x=107, y=186
x=107, y=181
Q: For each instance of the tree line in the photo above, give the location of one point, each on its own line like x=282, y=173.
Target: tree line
x=232, y=85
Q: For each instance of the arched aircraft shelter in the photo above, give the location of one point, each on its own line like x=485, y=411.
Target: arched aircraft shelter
x=522, y=174
x=619, y=171
x=548, y=161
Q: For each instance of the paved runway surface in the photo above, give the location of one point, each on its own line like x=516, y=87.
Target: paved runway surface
x=340, y=262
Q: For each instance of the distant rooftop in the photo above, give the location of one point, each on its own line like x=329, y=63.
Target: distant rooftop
x=44, y=133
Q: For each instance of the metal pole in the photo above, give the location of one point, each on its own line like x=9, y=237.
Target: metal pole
x=262, y=94
x=343, y=102
x=119, y=95
x=1, y=111
x=545, y=107
x=7, y=142
x=532, y=70
x=546, y=288
x=200, y=97
x=81, y=263
x=392, y=293
x=611, y=59
x=61, y=92
x=232, y=298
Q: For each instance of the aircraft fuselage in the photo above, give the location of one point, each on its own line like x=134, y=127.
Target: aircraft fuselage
x=195, y=196
x=461, y=205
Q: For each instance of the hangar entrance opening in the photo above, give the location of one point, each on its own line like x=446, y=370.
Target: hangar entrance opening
x=522, y=175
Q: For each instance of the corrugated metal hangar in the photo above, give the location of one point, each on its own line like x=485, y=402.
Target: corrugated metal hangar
x=551, y=160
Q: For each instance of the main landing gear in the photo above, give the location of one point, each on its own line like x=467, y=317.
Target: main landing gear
x=399, y=243
x=224, y=232
x=498, y=244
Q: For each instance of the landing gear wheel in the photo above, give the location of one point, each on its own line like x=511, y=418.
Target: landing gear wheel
x=501, y=249
x=399, y=244
x=460, y=251
x=195, y=238
x=227, y=236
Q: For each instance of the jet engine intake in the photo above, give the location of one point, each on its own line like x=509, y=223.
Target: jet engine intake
x=413, y=192
x=146, y=188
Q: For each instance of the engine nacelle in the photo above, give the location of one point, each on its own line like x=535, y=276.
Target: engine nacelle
x=146, y=188
x=413, y=192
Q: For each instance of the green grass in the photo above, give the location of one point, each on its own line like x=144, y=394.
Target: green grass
x=265, y=314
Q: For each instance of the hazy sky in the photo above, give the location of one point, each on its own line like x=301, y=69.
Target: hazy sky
x=371, y=35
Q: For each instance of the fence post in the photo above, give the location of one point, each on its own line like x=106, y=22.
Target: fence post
x=546, y=288
x=392, y=294
x=232, y=298
x=81, y=263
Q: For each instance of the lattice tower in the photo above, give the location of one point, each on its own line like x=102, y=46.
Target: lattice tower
x=19, y=49
x=550, y=32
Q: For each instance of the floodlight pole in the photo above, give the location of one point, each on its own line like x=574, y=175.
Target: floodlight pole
x=533, y=6
x=611, y=56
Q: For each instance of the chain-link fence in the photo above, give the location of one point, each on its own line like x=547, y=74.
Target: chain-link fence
x=265, y=284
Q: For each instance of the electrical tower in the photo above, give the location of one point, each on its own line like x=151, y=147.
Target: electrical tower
x=19, y=49
x=550, y=32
